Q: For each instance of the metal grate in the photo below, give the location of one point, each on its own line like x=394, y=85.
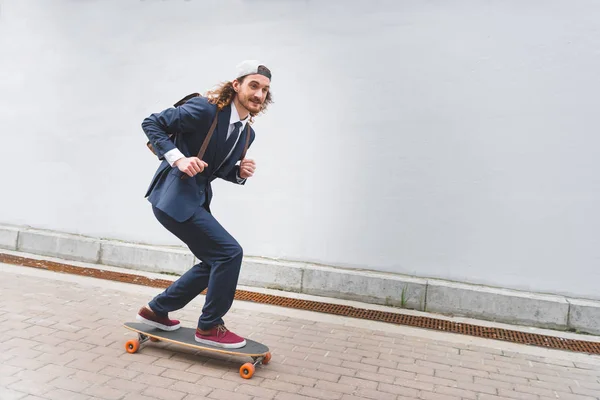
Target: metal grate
x=346, y=311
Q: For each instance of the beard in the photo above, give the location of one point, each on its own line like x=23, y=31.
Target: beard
x=251, y=104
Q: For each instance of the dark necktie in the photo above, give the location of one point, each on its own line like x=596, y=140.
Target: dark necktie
x=233, y=137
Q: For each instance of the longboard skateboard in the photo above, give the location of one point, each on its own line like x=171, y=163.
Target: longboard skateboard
x=185, y=337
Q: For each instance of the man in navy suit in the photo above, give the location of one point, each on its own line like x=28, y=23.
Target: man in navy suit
x=180, y=194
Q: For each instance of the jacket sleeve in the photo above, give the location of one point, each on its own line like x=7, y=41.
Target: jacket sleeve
x=183, y=119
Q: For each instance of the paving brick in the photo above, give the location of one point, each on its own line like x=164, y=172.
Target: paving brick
x=280, y=386
x=327, y=376
x=374, y=394
x=30, y=387
x=86, y=365
x=359, y=366
x=178, y=375
x=24, y=352
x=151, y=369
x=324, y=360
x=358, y=382
x=476, y=387
x=257, y=391
x=320, y=393
x=126, y=385
x=170, y=364
x=119, y=372
x=436, y=396
x=72, y=384
x=471, y=371
x=35, y=376
x=416, y=368
x=414, y=384
x=225, y=395
x=8, y=394
x=572, y=396
x=399, y=389
x=208, y=369
x=454, y=376
x=7, y=370
x=137, y=396
x=293, y=396
x=329, y=347
x=302, y=380
x=163, y=394
x=584, y=391
x=62, y=394
x=191, y=388
x=299, y=363
x=351, y=397
x=90, y=377
x=588, y=385
x=381, y=377
x=508, y=378
x=460, y=393
x=436, y=380
x=6, y=381
x=104, y=392
x=494, y=383
x=217, y=383
x=336, y=370
x=336, y=387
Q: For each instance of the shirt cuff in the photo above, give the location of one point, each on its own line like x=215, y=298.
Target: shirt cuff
x=237, y=176
x=173, y=155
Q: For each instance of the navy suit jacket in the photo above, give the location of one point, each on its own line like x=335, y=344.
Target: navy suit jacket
x=180, y=198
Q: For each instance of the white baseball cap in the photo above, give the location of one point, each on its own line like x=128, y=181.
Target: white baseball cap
x=249, y=67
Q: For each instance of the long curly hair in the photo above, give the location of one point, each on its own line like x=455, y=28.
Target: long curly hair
x=223, y=95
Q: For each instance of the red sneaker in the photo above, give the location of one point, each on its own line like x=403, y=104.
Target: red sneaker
x=221, y=337
x=148, y=317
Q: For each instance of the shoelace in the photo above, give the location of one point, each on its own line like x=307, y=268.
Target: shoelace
x=221, y=329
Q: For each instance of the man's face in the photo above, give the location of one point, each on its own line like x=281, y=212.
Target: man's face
x=252, y=92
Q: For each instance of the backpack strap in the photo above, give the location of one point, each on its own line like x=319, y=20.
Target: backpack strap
x=208, y=136
x=247, y=141
x=185, y=99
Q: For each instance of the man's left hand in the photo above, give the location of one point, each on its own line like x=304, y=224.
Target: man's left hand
x=247, y=168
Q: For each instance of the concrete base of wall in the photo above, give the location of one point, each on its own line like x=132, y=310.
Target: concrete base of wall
x=449, y=298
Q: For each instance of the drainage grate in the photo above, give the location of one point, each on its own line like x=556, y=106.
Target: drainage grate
x=346, y=311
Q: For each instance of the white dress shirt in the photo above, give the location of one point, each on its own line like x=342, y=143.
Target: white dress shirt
x=173, y=155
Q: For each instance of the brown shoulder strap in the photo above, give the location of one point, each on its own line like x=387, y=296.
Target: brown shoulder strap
x=212, y=127
x=206, y=140
x=247, y=141
x=208, y=136
x=185, y=99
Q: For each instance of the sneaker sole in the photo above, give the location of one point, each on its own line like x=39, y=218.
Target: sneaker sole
x=156, y=324
x=223, y=345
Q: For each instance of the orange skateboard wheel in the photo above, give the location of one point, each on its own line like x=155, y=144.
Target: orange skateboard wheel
x=267, y=358
x=247, y=370
x=132, y=346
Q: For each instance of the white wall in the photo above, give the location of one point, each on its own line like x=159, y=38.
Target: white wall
x=441, y=139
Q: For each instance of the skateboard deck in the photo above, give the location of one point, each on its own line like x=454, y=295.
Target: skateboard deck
x=185, y=337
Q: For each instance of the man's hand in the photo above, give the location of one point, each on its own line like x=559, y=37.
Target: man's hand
x=247, y=168
x=191, y=165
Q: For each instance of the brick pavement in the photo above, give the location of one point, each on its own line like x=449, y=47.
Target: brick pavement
x=62, y=339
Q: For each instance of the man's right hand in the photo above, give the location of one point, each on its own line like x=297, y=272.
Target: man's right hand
x=191, y=165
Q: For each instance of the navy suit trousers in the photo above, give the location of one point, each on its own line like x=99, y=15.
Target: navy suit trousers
x=221, y=260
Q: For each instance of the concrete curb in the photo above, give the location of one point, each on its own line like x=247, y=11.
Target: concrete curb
x=431, y=295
